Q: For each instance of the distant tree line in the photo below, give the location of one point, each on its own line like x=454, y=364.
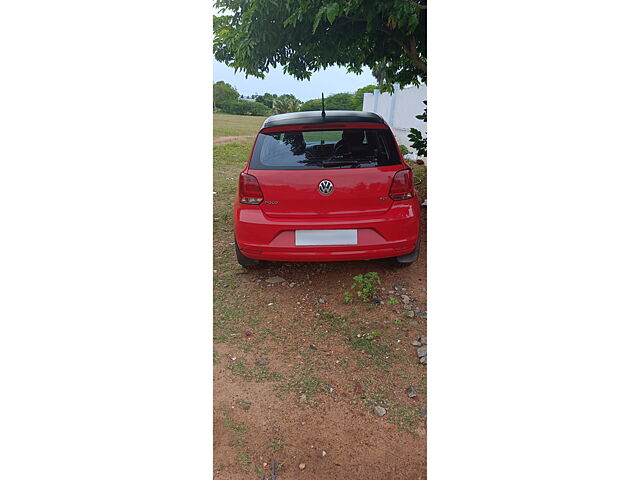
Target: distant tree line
x=227, y=99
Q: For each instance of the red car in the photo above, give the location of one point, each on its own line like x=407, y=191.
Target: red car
x=324, y=187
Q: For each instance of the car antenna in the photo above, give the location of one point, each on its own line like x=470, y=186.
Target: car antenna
x=323, y=113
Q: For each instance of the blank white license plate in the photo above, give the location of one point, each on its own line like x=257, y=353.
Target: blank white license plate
x=327, y=237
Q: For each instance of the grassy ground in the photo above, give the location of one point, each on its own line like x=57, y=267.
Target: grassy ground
x=300, y=365
x=232, y=125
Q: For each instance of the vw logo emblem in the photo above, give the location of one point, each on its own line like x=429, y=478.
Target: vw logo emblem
x=325, y=187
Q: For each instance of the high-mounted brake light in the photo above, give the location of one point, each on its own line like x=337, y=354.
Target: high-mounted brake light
x=249, y=189
x=402, y=185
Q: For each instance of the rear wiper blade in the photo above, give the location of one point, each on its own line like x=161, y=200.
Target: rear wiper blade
x=349, y=159
x=339, y=160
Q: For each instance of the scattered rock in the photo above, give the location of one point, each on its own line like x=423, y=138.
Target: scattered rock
x=416, y=343
x=423, y=340
x=413, y=323
x=423, y=412
x=324, y=454
x=410, y=314
x=225, y=285
x=322, y=300
x=397, y=287
x=379, y=411
x=269, y=304
x=302, y=466
x=275, y=280
x=376, y=300
x=258, y=280
x=291, y=285
x=248, y=333
x=422, y=351
x=411, y=392
x=261, y=362
x=423, y=315
x=423, y=360
x=407, y=306
x=390, y=292
x=405, y=299
x=313, y=347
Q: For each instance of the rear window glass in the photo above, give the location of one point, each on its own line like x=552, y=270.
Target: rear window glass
x=320, y=149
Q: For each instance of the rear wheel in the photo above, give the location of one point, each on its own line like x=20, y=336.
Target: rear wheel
x=244, y=260
x=409, y=258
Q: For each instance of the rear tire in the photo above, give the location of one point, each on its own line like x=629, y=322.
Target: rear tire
x=409, y=258
x=246, y=262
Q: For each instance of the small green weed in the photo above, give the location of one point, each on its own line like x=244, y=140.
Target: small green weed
x=238, y=442
x=243, y=461
x=276, y=444
x=372, y=335
x=393, y=301
x=334, y=320
x=238, y=427
x=256, y=374
x=367, y=285
x=366, y=344
x=303, y=383
x=348, y=298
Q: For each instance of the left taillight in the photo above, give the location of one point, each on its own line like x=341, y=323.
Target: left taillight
x=402, y=185
x=249, y=189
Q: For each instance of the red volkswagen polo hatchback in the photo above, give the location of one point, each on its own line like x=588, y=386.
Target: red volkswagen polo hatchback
x=324, y=187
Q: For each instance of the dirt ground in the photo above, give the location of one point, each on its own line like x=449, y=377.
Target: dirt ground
x=231, y=138
x=300, y=364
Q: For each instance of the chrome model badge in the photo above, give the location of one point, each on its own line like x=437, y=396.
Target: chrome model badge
x=325, y=187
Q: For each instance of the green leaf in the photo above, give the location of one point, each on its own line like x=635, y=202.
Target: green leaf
x=332, y=12
x=318, y=18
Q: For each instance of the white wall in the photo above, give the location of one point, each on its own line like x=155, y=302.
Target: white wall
x=399, y=110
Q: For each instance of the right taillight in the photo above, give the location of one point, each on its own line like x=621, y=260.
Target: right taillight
x=402, y=185
x=249, y=189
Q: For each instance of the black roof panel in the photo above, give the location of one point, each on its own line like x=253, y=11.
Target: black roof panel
x=315, y=118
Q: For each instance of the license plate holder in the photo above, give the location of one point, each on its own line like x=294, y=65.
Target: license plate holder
x=326, y=237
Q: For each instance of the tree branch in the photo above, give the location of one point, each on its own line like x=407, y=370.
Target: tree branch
x=411, y=50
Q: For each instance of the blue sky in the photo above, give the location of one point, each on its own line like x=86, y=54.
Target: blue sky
x=330, y=81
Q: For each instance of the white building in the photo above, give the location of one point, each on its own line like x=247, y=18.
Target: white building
x=399, y=109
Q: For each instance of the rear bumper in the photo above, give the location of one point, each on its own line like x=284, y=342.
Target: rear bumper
x=263, y=237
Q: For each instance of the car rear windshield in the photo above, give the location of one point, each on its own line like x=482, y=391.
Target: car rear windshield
x=320, y=149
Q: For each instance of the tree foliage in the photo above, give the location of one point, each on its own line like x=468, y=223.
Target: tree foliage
x=223, y=92
x=307, y=35
x=311, y=105
x=359, y=96
x=339, y=101
x=286, y=103
x=243, y=107
x=417, y=140
x=267, y=99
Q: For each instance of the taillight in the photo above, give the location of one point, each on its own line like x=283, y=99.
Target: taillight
x=249, y=189
x=402, y=185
